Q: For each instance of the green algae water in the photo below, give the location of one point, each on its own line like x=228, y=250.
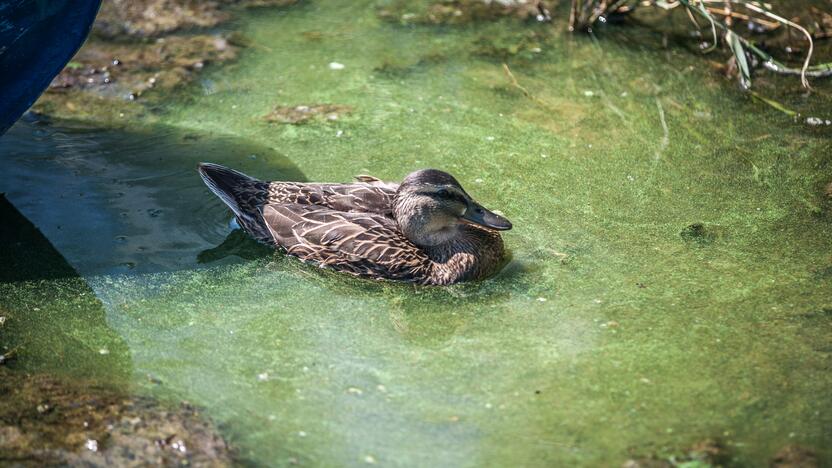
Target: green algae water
x=670, y=281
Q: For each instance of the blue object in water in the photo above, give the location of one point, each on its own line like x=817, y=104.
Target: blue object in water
x=37, y=39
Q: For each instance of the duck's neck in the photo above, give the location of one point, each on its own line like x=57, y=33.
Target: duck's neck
x=472, y=254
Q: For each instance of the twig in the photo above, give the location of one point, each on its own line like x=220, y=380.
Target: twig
x=822, y=70
x=770, y=25
x=572, y=13
x=522, y=89
x=8, y=356
x=803, y=80
x=774, y=104
x=665, y=131
x=515, y=83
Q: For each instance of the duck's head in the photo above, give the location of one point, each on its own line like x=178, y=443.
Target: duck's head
x=431, y=206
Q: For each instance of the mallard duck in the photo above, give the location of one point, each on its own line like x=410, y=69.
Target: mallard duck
x=426, y=230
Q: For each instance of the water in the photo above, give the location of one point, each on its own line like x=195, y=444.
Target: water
x=616, y=330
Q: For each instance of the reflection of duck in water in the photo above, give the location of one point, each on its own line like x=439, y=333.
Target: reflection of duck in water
x=427, y=230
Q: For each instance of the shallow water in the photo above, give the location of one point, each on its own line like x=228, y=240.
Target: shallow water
x=617, y=330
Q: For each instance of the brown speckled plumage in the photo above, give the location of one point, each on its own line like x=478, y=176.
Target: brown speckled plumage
x=369, y=228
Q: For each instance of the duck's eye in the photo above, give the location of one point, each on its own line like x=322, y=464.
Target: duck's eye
x=443, y=193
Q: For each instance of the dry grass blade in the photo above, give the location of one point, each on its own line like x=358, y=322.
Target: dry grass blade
x=585, y=12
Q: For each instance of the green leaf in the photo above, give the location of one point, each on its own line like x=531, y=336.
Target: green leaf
x=742, y=61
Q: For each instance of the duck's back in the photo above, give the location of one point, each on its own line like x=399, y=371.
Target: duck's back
x=247, y=196
x=358, y=197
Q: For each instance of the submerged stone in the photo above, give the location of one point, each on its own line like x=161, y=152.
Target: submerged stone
x=145, y=18
x=795, y=456
x=700, y=233
x=302, y=113
x=150, y=18
x=526, y=45
x=106, y=77
x=118, y=69
x=52, y=421
x=394, y=67
x=135, y=50
x=456, y=12
x=704, y=454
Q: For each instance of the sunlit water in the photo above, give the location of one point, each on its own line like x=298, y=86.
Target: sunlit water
x=609, y=334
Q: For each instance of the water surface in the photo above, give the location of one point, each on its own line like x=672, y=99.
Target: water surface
x=670, y=278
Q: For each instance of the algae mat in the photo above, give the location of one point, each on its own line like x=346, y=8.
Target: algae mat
x=671, y=268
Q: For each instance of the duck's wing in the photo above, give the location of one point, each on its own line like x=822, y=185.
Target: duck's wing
x=368, y=179
x=361, y=197
x=363, y=244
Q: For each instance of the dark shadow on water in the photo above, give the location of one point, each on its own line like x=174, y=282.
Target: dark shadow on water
x=25, y=254
x=117, y=201
x=37, y=287
x=237, y=244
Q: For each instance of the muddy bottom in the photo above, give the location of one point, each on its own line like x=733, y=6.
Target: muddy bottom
x=51, y=421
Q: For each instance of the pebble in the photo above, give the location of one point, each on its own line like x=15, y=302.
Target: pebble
x=263, y=377
x=817, y=121
x=180, y=446
x=336, y=66
x=91, y=445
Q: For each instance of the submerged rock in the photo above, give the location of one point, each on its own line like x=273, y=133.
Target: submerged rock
x=45, y=420
x=707, y=453
x=795, y=456
x=144, y=18
x=104, y=77
x=135, y=49
x=302, y=114
x=464, y=11
x=150, y=18
x=133, y=69
x=701, y=233
x=526, y=45
x=394, y=67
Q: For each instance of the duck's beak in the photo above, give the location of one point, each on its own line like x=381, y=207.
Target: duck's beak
x=479, y=215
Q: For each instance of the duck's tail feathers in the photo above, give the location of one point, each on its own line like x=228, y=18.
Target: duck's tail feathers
x=242, y=193
x=226, y=183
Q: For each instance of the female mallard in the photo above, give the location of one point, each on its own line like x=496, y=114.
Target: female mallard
x=426, y=230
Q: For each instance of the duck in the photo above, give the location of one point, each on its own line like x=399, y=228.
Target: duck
x=426, y=230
